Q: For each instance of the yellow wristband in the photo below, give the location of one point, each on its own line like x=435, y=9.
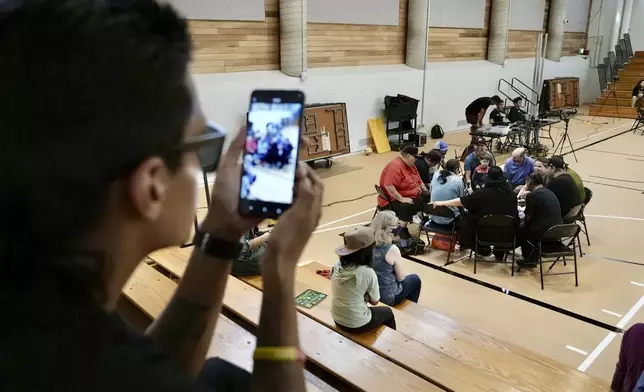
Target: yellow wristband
x=278, y=354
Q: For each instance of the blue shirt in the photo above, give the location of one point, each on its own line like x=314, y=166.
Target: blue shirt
x=453, y=188
x=640, y=384
x=471, y=162
x=518, y=173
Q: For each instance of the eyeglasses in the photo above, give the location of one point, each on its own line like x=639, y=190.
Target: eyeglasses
x=209, y=146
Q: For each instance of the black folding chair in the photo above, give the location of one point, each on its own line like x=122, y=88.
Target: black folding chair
x=432, y=227
x=573, y=216
x=382, y=194
x=498, y=231
x=557, y=243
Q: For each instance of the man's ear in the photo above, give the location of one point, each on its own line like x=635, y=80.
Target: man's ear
x=147, y=188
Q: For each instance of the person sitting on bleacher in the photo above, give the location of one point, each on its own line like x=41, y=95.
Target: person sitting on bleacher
x=638, y=95
x=354, y=284
x=395, y=286
x=101, y=93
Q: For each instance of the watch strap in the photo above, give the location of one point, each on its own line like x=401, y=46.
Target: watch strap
x=216, y=247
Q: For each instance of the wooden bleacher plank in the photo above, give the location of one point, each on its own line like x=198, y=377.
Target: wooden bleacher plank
x=526, y=370
x=339, y=356
x=236, y=345
x=444, y=370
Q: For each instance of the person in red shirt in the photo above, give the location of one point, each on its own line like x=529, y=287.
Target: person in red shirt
x=403, y=186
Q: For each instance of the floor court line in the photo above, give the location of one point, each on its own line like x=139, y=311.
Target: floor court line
x=614, y=259
x=615, y=217
x=577, y=350
x=600, y=133
x=341, y=227
x=611, y=335
x=638, y=284
x=612, y=313
x=346, y=217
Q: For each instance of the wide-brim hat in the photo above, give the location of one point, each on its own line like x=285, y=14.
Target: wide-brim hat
x=355, y=240
x=495, y=175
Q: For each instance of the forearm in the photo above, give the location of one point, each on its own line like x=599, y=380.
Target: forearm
x=393, y=192
x=400, y=275
x=452, y=203
x=186, y=325
x=468, y=176
x=277, y=328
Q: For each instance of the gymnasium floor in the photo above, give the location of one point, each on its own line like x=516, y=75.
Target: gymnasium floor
x=611, y=274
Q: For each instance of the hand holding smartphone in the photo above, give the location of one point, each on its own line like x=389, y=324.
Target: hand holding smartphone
x=271, y=152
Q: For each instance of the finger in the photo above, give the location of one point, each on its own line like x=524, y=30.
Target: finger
x=236, y=147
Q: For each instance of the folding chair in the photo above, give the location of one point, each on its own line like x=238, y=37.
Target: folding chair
x=431, y=226
x=558, y=242
x=573, y=216
x=639, y=121
x=498, y=231
x=382, y=194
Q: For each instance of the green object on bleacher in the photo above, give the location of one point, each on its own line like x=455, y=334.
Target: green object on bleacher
x=309, y=298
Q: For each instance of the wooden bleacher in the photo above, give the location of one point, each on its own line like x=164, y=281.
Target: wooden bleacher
x=620, y=105
x=150, y=290
x=436, y=347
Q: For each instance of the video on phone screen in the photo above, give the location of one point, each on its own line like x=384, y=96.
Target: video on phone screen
x=271, y=152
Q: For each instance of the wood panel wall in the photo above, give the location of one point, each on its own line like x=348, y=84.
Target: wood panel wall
x=236, y=46
x=523, y=43
x=458, y=44
x=336, y=45
x=573, y=42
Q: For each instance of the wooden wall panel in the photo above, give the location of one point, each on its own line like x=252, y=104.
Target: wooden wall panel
x=237, y=46
x=458, y=44
x=523, y=43
x=336, y=45
x=572, y=43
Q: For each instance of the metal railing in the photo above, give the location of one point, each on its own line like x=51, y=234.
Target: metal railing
x=503, y=82
x=601, y=73
x=629, y=45
x=608, y=68
x=613, y=66
x=534, y=100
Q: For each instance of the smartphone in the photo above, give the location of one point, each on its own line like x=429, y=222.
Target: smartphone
x=271, y=152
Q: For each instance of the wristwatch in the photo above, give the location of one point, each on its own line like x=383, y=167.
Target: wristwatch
x=218, y=248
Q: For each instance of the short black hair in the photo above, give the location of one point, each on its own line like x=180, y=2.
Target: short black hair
x=535, y=179
x=88, y=90
x=496, y=99
x=433, y=156
x=517, y=99
x=410, y=150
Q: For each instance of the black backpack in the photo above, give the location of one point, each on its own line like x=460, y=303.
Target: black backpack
x=437, y=132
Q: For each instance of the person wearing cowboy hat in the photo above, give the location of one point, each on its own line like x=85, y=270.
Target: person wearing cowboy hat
x=354, y=283
x=495, y=198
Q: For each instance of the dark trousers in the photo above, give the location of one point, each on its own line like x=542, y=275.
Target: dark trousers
x=219, y=375
x=528, y=238
x=406, y=212
x=380, y=315
x=411, y=289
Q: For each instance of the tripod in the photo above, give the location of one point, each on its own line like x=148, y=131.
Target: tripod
x=612, y=94
x=562, y=141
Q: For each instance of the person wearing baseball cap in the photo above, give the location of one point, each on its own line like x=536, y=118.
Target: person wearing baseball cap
x=442, y=146
x=403, y=188
x=562, y=184
x=473, y=160
x=354, y=283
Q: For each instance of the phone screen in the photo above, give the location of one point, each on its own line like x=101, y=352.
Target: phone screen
x=271, y=152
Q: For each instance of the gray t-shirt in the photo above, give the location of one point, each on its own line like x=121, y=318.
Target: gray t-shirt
x=349, y=287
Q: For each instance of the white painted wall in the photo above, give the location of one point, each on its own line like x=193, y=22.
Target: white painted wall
x=450, y=88
x=637, y=28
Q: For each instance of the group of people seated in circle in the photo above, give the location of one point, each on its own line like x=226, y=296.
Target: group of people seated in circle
x=548, y=187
